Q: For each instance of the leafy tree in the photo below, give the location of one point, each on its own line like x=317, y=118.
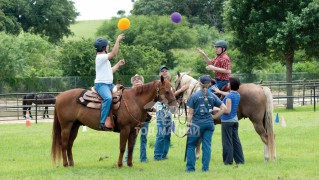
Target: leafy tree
x=155, y=31
x=43, y=17
x=27, y=56
x=279, y=29
x=77, y=58
x=197, y=11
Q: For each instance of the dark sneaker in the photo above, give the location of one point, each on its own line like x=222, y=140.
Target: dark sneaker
x=104, y=128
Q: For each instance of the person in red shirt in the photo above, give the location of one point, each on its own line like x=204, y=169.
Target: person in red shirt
x=221, y=64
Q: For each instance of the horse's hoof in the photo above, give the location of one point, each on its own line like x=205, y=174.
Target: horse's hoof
x=130, y=165
x=120, y=165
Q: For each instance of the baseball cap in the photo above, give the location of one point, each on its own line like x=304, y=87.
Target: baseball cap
x=205, y=79
x=163, y=67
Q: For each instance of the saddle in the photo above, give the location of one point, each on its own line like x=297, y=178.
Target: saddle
x=91, y=99
x=225, y=88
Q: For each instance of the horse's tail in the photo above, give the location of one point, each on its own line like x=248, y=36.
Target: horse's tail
x=269, y=125
x=56, y=148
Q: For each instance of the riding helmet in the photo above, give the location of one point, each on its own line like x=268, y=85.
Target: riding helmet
x=221, y=43
x=100, y=43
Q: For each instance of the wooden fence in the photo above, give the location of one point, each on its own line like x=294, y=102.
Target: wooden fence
x=304, y=93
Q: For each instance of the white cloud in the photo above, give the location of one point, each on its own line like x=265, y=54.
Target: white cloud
x=101, y=9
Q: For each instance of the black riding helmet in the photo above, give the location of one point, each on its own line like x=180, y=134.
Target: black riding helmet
x=222, y=44
x=100, y=43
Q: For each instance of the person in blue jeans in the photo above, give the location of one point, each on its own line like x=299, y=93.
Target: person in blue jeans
x=201, y=124
x=163, y=124
x=232, y=149
x=138, y=80
x=103, y=82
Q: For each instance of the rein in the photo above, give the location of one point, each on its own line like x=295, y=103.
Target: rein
x=139, y=122
x=155, y=99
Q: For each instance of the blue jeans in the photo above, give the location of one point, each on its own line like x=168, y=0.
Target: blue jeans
x=205, y=131
x=104, y=91
x=163, y=136
x=143, y=131
x=218, y=84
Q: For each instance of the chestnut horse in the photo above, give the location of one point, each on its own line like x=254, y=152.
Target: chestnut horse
x=69, y=115
x=256, y=103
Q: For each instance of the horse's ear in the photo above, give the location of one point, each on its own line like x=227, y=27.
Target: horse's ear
x=189, y=72
x=178, y=74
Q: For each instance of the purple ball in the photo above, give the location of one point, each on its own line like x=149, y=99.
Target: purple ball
x=176, y=17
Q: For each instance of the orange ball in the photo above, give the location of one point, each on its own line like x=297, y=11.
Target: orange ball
x=123, y=24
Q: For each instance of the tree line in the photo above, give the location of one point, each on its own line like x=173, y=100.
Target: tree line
x=267, y=36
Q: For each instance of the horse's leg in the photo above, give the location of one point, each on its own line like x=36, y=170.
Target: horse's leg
x=123, y=139
x=198, y=148
x=259, y=127
x=131, y=142
x=47, y=111
x=43, y=113
x=73, y=134
x=29, y=109
x=65, y=135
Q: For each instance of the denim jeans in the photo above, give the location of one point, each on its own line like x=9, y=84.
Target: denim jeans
x=143, y=131
x=206, y=131
x=104, y=91
x=163, y=136
x=218, y=84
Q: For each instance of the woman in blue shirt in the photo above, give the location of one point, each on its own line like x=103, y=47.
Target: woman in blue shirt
x=232, y=149
x=201, y=124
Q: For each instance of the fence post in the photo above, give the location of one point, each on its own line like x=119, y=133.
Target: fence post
x=36, y=109
x=303, y=91
x=314, y=97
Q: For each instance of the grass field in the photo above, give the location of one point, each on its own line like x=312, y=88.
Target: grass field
x=25, y=153
x=86, y=29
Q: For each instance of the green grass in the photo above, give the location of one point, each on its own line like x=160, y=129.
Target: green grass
x=25, y=153
x=84, y=29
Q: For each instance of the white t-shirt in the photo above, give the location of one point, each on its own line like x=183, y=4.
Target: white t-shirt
x=103, y=69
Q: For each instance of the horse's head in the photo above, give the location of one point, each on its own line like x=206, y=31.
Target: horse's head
x=165, y=93
x=183, y=79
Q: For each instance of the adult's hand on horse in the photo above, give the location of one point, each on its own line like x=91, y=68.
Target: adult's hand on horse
x=216, y=89
x=184, y=87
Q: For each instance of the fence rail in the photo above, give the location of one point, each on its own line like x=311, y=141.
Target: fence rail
x=304, y=93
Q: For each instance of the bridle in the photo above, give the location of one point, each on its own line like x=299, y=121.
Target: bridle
x=155, y=100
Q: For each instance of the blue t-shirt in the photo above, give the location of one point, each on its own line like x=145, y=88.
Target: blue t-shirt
x=235, y=98
x=203, y=108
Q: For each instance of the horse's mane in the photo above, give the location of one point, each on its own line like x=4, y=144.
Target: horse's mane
x=144, y=88
x=188, y=78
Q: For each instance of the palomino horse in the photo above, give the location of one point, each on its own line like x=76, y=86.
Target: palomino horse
x=256, y=103
x=28, y=99
x=69, y=115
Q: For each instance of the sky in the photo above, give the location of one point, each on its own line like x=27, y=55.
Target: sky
x=101, y=9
